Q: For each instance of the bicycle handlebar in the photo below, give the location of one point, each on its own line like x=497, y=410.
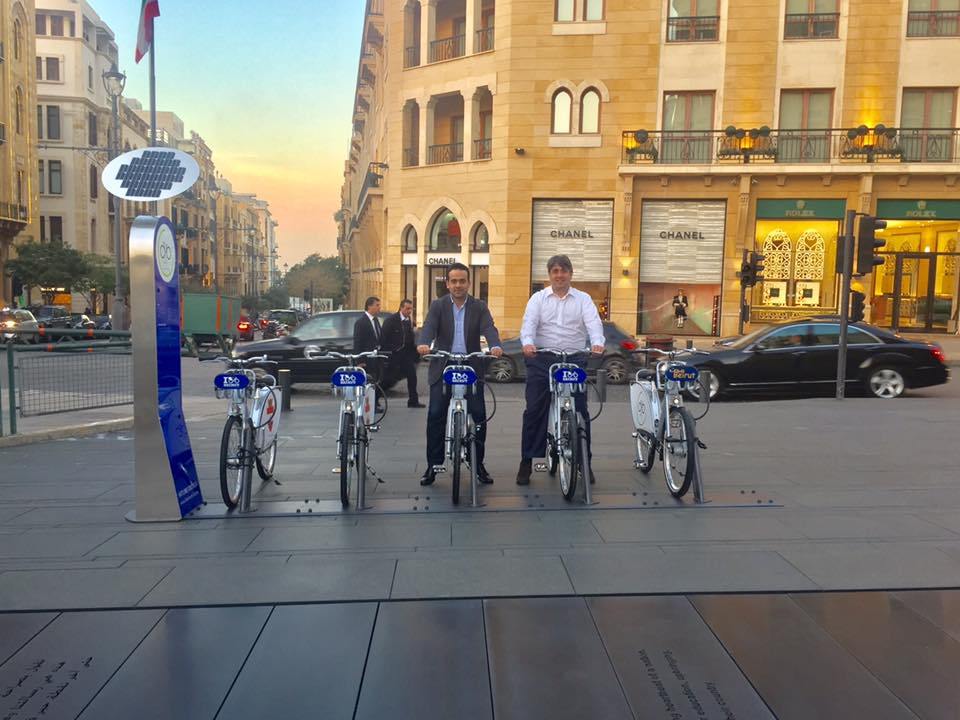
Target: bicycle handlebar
x=671, y=353
x=241, y=362
x=313, y=352
x=442, y=354
x=563, y=353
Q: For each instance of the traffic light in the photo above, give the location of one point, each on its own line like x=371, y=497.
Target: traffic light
x=756, y=267
x=868, y=244
x=746, y=275
x=857, y=300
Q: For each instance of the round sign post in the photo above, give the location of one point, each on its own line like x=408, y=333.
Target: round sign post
x=167, y=487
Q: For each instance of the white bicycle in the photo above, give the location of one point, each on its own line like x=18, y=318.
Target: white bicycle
x=662, y=425
x=250, y=433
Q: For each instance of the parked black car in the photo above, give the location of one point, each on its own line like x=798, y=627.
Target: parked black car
x=51, y=316
x=13, y=322
x=802, y=356
x=617, y=360
x=329, y=330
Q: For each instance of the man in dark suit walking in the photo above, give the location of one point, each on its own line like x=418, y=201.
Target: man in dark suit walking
x=455, y=323
x=367, y=335
x=398, y=339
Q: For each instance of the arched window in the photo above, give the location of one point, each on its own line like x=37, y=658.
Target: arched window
x=17, y=39
x=445, y=233
x=18, y=111
x=590, y=111
x=481, y=238
x=562, y=104
x=410, y=239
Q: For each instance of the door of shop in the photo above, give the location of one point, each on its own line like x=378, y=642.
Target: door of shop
x=917, y=304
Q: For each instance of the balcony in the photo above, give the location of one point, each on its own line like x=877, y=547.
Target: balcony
x=482, y=149
x=411, y=57
x=483, y=42
x=373, y=179
x=3, y=133
x=693, y=29
x=448, y=48
x=939, y=23
x=13, y=212
x=811, y=26
x=814, y=146
x=449, y=153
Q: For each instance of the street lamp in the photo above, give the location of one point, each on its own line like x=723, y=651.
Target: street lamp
x=113, y=82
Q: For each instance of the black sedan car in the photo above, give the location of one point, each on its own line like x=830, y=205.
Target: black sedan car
x=802, y=356
x=617, y=360
x=329, y=330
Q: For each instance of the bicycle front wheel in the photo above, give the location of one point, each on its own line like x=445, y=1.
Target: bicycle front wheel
x=679, y=451
x=346, y=453
x=231, y=462
x=567, y=453
x=456, y=450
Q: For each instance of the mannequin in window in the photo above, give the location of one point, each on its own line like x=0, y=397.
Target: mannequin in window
x=680, y=304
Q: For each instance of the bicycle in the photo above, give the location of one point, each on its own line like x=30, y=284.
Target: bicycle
x=568, y=449
x=250, y=433
x=662, y=425
x=357, y=417
x=461, y=433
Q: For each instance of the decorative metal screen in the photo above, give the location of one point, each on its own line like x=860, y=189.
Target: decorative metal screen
x=808, y=264
x=777, y=252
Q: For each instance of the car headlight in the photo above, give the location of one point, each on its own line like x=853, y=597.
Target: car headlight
x=10, y=323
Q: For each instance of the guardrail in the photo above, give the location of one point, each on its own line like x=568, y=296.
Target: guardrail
x=67, y=370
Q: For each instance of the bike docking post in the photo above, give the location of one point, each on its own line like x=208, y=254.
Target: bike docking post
x=602, y=393
x=698, y=495
x=167, y=486
x=286, y=384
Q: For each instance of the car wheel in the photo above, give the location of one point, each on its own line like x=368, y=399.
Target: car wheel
x=616, y=368
x=716, y=385
x=886, y=383
x=502, y=370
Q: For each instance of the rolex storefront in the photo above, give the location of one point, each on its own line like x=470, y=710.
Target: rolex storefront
x=916, y=289
x=798, y=239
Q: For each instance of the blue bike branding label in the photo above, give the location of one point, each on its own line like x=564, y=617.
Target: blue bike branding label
x=348, y=378
x=683, y=374
x=570, y=376
x=459, y=376
x=231, y=381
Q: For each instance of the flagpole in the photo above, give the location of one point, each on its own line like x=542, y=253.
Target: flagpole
x=155, y=209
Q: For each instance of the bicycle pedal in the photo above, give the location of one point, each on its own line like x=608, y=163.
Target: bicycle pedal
x=373, y=428
x=701, y=444
x=540, y=467
x=437, y=469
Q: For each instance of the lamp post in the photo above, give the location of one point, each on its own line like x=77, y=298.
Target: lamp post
x=114, y=82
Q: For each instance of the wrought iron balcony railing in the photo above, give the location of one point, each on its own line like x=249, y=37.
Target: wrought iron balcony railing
x=938, y=23
x=693, y=29
x=450, y=153
x=808, y=146
x=447, y=48
x=483, y=42
x=411, y=57
x=482, y=149
x=811, y=25
x=12, y=211
x=411, y=157
x=373, y=179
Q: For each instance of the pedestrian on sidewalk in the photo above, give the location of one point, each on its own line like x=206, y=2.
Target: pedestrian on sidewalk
x=399, y=340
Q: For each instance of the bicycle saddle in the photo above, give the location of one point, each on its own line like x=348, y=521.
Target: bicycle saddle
x=645, y=374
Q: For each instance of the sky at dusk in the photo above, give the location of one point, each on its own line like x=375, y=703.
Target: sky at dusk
x=269, y=86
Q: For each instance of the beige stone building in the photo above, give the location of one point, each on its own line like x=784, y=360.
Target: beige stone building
x=18, y=133
x=655, y=141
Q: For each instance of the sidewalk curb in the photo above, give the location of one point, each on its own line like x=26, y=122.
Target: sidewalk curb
x=70, y=431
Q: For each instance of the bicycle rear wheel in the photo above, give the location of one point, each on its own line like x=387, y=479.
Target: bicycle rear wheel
x=346, y=453
x=456, y=452
x=231, y=462
x=679, y=451
x=567, y=453
x=267, y=460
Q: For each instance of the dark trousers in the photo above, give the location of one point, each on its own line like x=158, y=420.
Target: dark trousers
x=537, y=413
x=402, y=368
x=437, y=420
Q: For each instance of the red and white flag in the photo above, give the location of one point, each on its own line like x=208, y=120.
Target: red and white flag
x=149, y=10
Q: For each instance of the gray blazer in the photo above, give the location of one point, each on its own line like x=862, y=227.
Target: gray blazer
x=439, y=327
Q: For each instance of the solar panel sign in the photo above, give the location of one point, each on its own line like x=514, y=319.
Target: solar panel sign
x=150, y=174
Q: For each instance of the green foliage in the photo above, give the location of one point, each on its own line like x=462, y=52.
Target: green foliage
x=49, y=265
x=329, y=276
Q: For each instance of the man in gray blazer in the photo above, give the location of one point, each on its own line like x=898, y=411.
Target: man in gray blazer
x=455, y=323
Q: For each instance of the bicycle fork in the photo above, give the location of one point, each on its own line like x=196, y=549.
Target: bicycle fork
x=247, y=455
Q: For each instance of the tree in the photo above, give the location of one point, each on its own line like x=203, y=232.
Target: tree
x=329, y=276
x=50, y=265
x=101, y=278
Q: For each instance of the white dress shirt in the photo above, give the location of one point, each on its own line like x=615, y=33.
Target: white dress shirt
x=561, y=323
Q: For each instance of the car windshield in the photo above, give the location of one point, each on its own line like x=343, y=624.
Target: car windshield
x=321, y=326
x=288, y=317
x=748, y=339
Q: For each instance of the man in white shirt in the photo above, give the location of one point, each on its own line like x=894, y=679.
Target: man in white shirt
x=559, y=317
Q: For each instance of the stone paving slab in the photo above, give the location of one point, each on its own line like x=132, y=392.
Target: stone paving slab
x=855, y=566
x=83, y=588
x=176, y=543
x=469, y=576
x=54, y=542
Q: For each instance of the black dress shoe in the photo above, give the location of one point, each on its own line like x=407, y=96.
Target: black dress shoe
x=483, y=476
x=415, y=404
x=523, y=474
x=428, y=477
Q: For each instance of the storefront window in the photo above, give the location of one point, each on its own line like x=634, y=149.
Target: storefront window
x=681, y=267
x=481, y=282
x=410, y=239
x=481, y=238
x=410, y=284
x=799, y=274
x=445, y=233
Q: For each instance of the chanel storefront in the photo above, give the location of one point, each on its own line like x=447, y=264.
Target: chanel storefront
x=581, y=229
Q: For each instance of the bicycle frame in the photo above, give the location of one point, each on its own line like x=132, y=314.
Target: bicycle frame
x=562, y=400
